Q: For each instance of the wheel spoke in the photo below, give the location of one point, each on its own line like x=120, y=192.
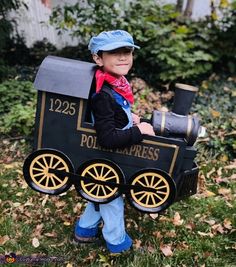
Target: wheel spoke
x=90, y=191
x=138, y=193
x=159, y=181
x=86, y=185
x=96, y=171
x=53, y=181
x=109, y=188
x=141, y=183
x=62, y=168
x=95, y=177
x=160, y=187
x=147, y=200
x=104, y=191
x=57, y=178
x=146, y=180
x=40, y=164
x=45, y=162
x=99, y=186
x=109, y=178
x=38, y=174
x=51, y=162
x=153, y=199
x=47, y=181
x=101, y=174
x=144, y=195
x=160, y=192
x=158, y=196
x=107, y=173
x=40, y=181
x=57, y=163
x=152, y=180
x=37, y=169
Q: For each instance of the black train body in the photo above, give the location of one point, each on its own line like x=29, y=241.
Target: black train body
x=152, y=174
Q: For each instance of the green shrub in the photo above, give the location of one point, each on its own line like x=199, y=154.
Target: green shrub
x=215, y=105
x=20, y=120
x=17, y=107
x=171, y=49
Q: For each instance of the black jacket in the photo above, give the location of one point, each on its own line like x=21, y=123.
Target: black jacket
x=109, y=121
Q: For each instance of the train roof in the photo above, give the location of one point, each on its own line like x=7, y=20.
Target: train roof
x=65, y=76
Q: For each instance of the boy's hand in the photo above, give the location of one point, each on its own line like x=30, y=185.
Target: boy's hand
x=136, y=119
x=146, y=128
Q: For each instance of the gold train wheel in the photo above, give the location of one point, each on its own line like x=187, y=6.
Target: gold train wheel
x=39, y=171
x=100, y=170
x=36, y=171
x=163, y=195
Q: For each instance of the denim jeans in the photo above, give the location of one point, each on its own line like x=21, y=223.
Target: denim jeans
x=113, y=231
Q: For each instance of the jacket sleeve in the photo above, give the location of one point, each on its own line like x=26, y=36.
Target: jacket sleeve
x=108, y=135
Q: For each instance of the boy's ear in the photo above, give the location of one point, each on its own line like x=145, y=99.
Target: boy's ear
x=98, y=60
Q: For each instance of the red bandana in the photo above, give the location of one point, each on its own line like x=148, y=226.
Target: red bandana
x=120, y=85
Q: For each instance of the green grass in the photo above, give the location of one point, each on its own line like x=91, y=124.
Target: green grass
x=200, y=238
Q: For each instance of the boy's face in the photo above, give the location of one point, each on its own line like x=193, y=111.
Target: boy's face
x=117, y=62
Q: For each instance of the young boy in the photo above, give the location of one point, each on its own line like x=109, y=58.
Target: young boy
x=115, y=126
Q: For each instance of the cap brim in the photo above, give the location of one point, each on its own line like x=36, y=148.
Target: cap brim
x=113, y=46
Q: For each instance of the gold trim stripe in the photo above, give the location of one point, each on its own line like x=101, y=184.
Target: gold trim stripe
x=186, y=87
x=40, y=132
x=79, y=121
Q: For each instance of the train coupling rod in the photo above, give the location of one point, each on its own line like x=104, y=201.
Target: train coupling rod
x=124, y=187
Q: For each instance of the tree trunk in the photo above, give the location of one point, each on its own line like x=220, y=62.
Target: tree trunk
x=179, y=6
x=189, y=8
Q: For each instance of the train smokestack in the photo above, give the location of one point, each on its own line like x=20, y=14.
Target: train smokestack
x=178, y=123
x=183, y=99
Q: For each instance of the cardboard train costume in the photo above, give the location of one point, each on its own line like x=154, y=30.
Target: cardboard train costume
x=153, y=174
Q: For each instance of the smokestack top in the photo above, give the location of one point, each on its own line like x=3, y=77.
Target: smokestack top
x=186, y=87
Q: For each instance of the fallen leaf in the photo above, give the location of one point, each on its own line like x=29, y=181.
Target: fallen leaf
x=172, y=234
x=177, y=219
x=157, y=234
x=35, y=242
x=151, y=249
x=45, y=199
x=137, y=243
x=60, y=204
x=218, y=228
x=210, y=222
x=166, y=250
x=209, y=194
x=52, y=234
x=4, y=239
x=224, y=191
x=214, y=113
x=205, y=234
x=227, y=224
x=153, y=215
x=190, y=225
x=38, y=230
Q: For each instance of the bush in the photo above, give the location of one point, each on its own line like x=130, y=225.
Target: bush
x=215, y=105
x=171, y=49
x=17, y=107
